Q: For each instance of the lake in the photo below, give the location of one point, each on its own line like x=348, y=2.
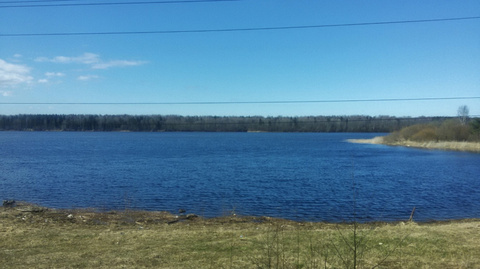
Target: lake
x=299, y=176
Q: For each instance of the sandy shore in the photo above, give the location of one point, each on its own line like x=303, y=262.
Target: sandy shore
x=440, y=145
x=375, y=140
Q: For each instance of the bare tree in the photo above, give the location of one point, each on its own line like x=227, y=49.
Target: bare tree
x=462, y=113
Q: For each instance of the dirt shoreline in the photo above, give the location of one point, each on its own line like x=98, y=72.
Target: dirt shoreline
x=35, y=214
x=436, y=145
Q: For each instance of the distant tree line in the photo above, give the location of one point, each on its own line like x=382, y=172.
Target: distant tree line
x=175, y=123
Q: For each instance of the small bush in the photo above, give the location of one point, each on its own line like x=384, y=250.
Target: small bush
x=408, y=132
x=474, y=130
x=427, y=134
x=392, y=138
x=453, y=130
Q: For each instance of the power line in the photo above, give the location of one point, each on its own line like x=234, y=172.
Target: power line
x=241, y=29
x=245, y=102
x=107, y=3
x=35, y=1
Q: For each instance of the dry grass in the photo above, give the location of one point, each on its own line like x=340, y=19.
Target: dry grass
x=134, y=239
x=443, y=145
x=440, y=145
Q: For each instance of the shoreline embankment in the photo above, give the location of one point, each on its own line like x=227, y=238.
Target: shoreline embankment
x=434, y=145
x=39, y=215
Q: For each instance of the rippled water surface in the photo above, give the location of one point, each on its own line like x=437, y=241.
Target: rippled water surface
x=301, y=176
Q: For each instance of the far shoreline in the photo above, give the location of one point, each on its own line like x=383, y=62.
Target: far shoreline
x=473, y=147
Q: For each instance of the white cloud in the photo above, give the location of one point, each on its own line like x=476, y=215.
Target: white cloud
x=87, y=77
x=43, y=80
x=90, y=59
x=13, y=74
x=6, y=93
x=116, y=63
x=18, y=55
x=54, y=74
x=86, y=58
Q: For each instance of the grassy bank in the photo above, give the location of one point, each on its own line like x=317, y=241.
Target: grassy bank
x=446, y=135
x=32, y=237
x=438, y=145
x=441, y=145
x=452, y=134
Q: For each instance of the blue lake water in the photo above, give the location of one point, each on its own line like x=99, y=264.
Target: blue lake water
x=300, y=176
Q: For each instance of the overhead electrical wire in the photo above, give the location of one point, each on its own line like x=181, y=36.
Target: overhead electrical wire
x=245, y=102
x=35, y=1
x=17, y=5
x=239, y=29
x=212, y=31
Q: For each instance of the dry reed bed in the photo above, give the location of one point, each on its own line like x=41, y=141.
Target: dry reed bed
x=437, y=145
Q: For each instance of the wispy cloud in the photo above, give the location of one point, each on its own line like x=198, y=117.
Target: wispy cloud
x=91, y=59
x=13, y=74
x=87, y=77
x=6, y=93
x=50, y=76
x=86, y=58
x=116, y=63
x=54, y=74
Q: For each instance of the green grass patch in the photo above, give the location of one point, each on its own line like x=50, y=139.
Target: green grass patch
x=87, y=239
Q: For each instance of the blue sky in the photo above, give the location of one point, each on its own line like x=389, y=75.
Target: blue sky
x=415, y=60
